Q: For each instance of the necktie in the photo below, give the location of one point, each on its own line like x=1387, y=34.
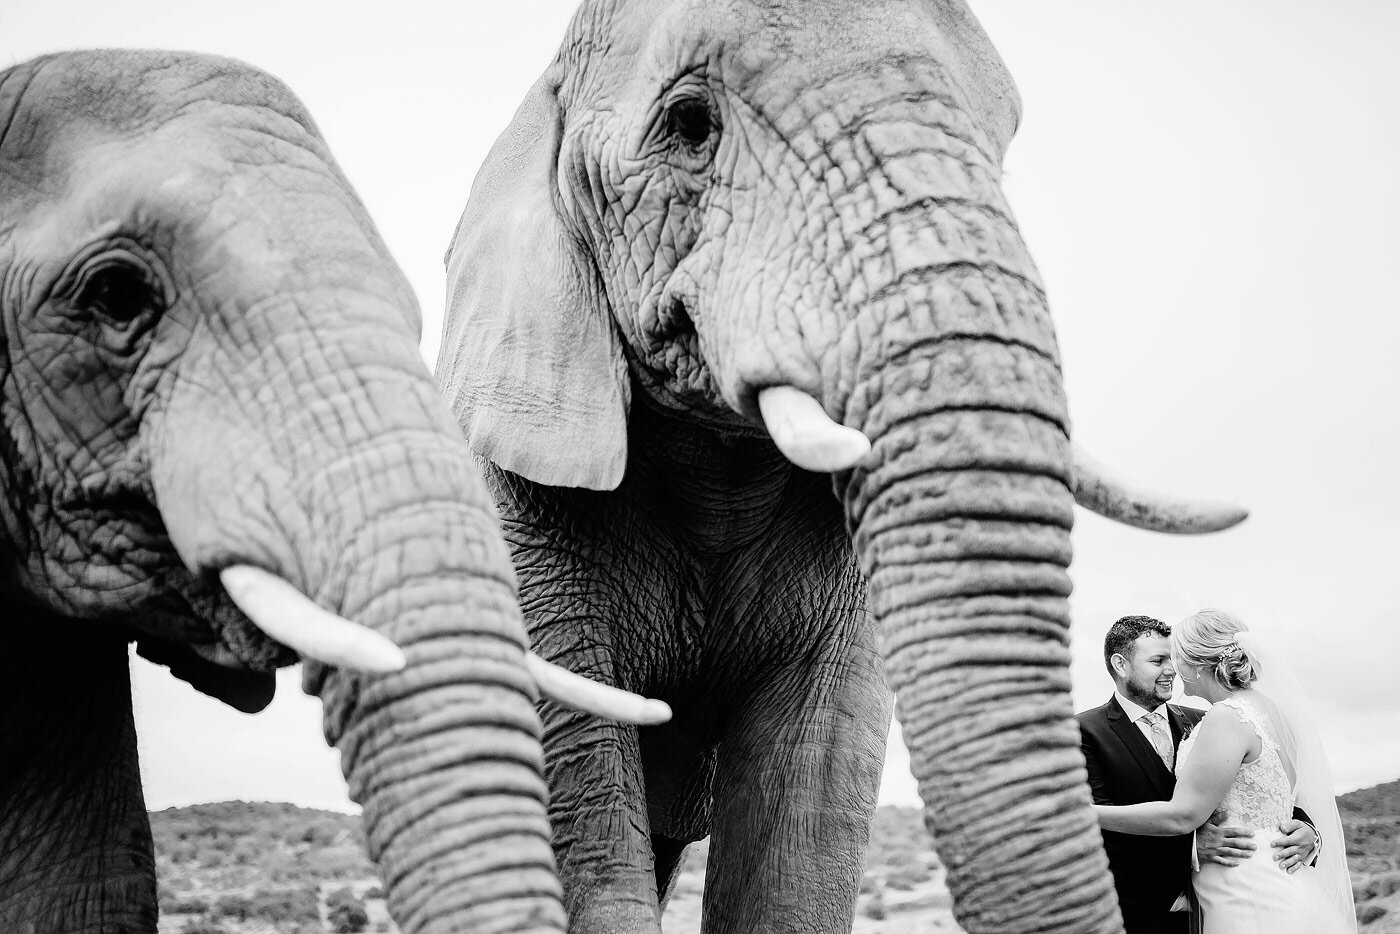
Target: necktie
x=1161, y=739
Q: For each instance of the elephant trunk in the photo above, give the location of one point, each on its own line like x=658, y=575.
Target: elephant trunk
x=962, y=529
x=328, y=459
x=961, y=518
x=444, y=755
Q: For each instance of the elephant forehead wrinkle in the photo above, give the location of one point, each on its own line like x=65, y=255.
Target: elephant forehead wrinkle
x=922, y=129
x=129, y=89
x=14, y=85
x=821, y=116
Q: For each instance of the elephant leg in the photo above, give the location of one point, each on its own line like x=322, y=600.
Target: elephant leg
x=679, y=771
x=75, y=842
x=598, y=817
x=669, y=854
x=794, y=795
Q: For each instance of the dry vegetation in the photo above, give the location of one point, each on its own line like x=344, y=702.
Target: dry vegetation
x=239, y=868
x=1371, y=818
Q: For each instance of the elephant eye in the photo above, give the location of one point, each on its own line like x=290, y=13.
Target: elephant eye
x=118, y=291
x=689, y=120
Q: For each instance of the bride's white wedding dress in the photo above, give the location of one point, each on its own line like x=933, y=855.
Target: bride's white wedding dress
x=1258, y=897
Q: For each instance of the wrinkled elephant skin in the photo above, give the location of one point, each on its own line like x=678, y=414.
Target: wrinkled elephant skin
x=208, y=359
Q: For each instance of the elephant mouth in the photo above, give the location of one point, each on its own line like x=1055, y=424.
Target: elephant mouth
x=669, y=363
x=130, y=572
x=658, y=396
x=229, y=637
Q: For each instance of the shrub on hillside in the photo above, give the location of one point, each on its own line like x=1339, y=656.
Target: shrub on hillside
x=203, y=927
x=907, y=877
x=1370, y=912
x=208, y=856
x=233, y=907
x=345, y=912
x=184, y=905
x=285, y=905
x=345, y=860
x=1375, y=836
x=875, y=905
x=248, y=851
x=318, y=835
x=1380, y=886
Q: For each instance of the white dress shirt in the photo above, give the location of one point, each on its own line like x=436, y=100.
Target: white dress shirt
x=1137, y=713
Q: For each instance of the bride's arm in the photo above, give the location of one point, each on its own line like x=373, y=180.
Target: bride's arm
x=1222, y=743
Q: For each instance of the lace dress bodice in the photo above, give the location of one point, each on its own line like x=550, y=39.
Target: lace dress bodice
x=1261, y=794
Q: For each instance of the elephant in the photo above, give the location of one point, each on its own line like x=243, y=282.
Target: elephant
x=764, y=384
x=218, y=439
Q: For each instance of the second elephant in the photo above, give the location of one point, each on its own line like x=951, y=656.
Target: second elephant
x=212, y=398
x=719, y=244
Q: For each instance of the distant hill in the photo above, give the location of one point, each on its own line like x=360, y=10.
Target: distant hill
x=1378, y=799
x=1371, y=821
x=238, y=867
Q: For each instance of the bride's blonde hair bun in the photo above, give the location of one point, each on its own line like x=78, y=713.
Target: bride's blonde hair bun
x=1209, y=638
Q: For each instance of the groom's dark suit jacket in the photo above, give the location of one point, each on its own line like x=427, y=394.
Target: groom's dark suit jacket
x=1148, y=872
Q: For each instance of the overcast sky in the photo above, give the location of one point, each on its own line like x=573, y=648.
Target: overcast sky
x=1210, y=190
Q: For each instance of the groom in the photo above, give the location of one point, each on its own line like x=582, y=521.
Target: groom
x=1130, y=749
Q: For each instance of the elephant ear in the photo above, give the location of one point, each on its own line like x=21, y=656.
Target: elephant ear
x=530, y=360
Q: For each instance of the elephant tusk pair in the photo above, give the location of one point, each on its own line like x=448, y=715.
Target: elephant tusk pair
x=287, y=615
x=807, y=437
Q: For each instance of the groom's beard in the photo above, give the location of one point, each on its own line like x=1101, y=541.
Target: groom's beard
x=1146, y=696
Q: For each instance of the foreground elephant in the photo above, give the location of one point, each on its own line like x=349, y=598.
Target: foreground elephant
x=210, y=371
x=718, y=240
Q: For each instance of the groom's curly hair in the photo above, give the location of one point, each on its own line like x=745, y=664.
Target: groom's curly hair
x=1126, y=631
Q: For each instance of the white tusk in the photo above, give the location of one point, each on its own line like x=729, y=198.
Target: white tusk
x=574, y=690
x=287, y=615
x=806, y=435
x=1098, y=490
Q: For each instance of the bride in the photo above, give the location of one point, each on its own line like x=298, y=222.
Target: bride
x=1254, y=754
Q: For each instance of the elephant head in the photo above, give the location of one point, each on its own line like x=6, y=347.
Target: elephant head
x=787, y=217
x=211, y=385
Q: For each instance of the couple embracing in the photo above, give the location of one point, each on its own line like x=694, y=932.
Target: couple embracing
x=1242, y=791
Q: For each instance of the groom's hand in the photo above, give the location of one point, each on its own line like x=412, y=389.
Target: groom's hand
x=1228, y=846
x=1295, y=848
